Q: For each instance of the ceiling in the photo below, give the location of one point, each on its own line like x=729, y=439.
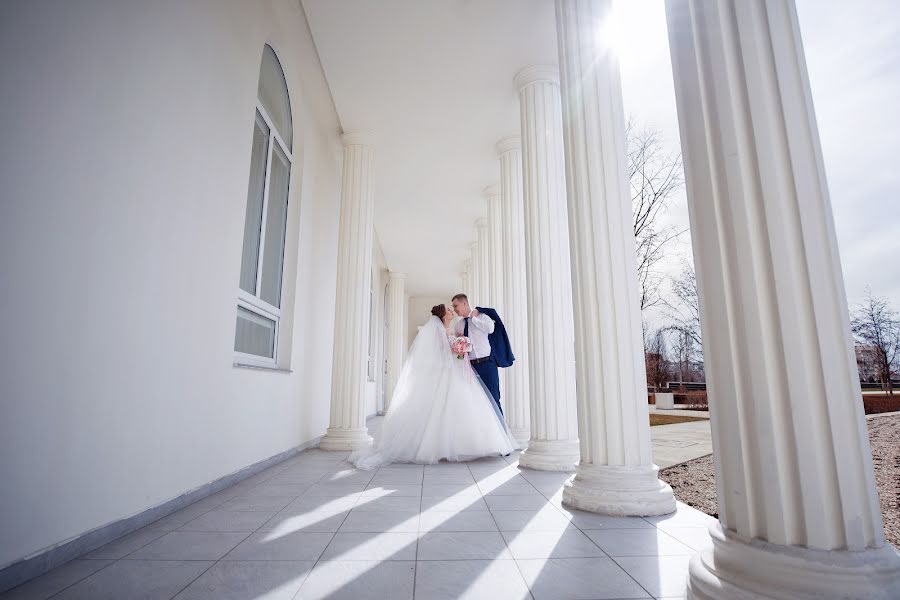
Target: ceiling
x=432, y=81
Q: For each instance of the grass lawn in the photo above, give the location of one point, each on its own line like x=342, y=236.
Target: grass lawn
x=657, y=419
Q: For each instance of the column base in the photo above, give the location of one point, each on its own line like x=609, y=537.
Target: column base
x=745, y=570
x=550, y=455
x=345, y=440
x=522, y=436
x=625, y=491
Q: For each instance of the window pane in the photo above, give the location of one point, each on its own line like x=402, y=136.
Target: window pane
x=276, y=219
x=253, y=218
x=273, y=94
x=255, y=334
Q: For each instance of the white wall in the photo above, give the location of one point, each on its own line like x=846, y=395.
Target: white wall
x=125, y=158
x=420, y=311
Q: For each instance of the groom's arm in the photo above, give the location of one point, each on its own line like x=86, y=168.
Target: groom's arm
x=483, y=322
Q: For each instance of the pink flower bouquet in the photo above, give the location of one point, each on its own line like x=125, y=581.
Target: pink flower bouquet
x=460, y=345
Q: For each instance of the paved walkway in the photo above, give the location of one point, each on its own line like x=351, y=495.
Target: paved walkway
x=315, y=527
x=680, y=442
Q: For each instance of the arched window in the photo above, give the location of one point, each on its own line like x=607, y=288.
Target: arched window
x=262, y=261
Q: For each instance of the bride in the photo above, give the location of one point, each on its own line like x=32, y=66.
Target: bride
x=440, y=409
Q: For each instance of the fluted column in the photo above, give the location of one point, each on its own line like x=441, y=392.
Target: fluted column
x=515, y=303
x=347, y=425
x=495, y=236
x=484, y=262
x=616, y=474
x=464, y=278
x=475, y=275
x=798, y=509
x=396, y=346
x=554, y=427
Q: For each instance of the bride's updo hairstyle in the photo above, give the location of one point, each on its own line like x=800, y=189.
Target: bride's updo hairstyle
x=439, y=310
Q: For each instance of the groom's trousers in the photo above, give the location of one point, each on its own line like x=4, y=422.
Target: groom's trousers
x=488, y=372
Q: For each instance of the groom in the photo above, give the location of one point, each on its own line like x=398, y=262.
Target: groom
x=490, y=344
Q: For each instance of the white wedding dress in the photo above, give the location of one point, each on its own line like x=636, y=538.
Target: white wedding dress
x=440, y=410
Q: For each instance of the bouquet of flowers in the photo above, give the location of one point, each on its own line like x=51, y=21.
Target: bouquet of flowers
x=460, y=345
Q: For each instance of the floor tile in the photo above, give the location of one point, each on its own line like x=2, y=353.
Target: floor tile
x=545, y=519
x=347, y=476
x=469, y=580
x=470, y=520
x=243, y=580
x=389, y=503
x=372, y=546
x=450, y=477
x=587, y=520
x=355, y=580
x=684, y=516
x=329, y=504
x=127, y=544
x=696, y=538
x=511, y=488
x=452, y=503
x=58, y=579
x=375, y=521
x=578, y=579
x=336, y=489
x=269, y=545
x=569, y=543
x=178, y=518
x=393, y=489
x=407, y=476
x=637, y=542
x=190, y=545
x=662, y=576
x=136, y=580
x=312, y=522
x=462, y=545
x=451, y=490
x=282, y=490
x=261, y=503
x=515, y=502
x=226, y=520
x=296, y=477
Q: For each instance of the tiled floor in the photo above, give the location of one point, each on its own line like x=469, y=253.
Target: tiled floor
x=314, y=527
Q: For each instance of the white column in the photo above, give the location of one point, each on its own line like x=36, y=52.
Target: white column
x=495, y=237
x=798, y=509
x=475, y=274
x=616, y=474
x=554, y=427
x=347, y=426
x=396, y=343
x=515, y=304
x=484, y=263
x=464, y=280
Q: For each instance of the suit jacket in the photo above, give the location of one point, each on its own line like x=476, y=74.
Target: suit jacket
x=501, y=349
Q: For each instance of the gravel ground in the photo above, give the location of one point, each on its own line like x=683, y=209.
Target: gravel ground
x=694, y=481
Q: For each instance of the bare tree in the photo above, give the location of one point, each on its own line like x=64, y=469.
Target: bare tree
x=656, y=358
x=875, y=324
x=655, y=175
x=685, y=312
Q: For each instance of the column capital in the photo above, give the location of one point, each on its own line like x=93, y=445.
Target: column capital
x=508, y=144
x=396, y=275
x=357, y=138
x=536, y=74
x=482, y=222
x=491, y=191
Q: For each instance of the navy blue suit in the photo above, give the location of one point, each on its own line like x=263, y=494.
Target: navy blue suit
x=501, y=355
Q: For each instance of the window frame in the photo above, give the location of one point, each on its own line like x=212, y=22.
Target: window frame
x=245, y=299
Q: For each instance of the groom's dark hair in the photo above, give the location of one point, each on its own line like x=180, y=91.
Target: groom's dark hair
x=459, y=297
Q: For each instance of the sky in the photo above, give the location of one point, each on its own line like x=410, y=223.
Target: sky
x=853, y=57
